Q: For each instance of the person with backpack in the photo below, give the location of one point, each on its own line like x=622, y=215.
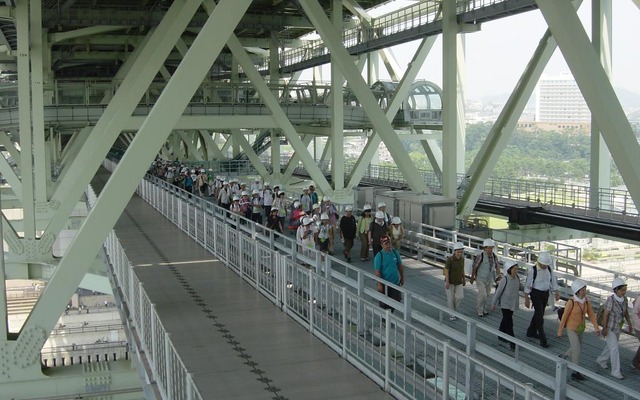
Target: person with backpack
x=508, y=297
x=485, y=270
x=615, y=312
x=388, y=266
x=574, y=320
x=540, y=282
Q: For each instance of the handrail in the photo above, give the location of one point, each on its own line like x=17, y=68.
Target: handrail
x=357, y=281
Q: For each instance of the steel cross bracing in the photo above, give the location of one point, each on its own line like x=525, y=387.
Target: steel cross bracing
x=185, y=54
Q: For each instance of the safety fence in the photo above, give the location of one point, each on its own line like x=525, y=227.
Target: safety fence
x=403, y=352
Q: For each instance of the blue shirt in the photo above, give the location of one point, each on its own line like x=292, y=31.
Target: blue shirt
x=387, y=262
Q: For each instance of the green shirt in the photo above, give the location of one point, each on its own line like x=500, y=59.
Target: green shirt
x=456, y=270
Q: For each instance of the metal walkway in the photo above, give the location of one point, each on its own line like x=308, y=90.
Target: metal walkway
x=235, y=343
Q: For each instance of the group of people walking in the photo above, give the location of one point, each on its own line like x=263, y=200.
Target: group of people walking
x=539, y=286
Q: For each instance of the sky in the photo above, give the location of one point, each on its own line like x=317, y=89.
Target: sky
x=497, y=55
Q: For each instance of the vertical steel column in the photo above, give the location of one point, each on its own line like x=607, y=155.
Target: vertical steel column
x=24, y=112
x=4, y=329
x=37, y=100
x=600, y=160
x=337, y=108
x=450, y=87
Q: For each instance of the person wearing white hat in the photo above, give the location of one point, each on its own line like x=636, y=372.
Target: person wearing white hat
x=574, y=320
x=396, y=231
x=377, y=229
x=454, y=279
x=507, y=296
x=541, y=280
x=202, y=183
x=348, y=230
x=325, y=234
x=294, y=218
x=256, y=206
x=305, y=236
x=267, y=198
x=616, y=311
x=363, y=232
x=485, y=271
x=331, y=210
x=280, y=203
x=305, y=199
x=383, y=207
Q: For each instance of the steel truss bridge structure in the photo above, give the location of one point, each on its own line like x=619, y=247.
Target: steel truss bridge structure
x=82, y=76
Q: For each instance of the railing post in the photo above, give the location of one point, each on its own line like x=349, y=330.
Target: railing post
x=345, y=321
x=471, y=364
x=445, y=370
x=561, y=380
x=168, y=369
x=311, y=295
x=190, y=386
x=387, y=352
x=360, y=289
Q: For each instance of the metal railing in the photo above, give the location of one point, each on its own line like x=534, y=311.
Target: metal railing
x=332, y=296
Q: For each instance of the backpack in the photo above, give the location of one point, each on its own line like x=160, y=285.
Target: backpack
x=535, y=274
x=560, y=310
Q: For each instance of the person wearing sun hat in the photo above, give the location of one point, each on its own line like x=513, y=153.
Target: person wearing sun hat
x=574, y=320
x=616, y=311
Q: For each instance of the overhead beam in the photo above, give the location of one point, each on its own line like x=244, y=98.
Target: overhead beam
x=58, y=37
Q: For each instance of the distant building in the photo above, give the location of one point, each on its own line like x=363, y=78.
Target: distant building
x=558, y=99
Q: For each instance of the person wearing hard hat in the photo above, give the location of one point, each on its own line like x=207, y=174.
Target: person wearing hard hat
x=616, y=311
x=396, y=232
x=574, y=320
x=325, y=234
x=485, y=271
x=382, y=206
x=377, y=229
x=305, y=236
x=541, y=280
x=454, y=279
x=348, y=230
x=507, y=296
x=363, y=232
x=256, y=206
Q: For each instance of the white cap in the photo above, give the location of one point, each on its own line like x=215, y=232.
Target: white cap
x=296, y=204
x=458, y=246
x=244, y=193
x=348, y=208
x=324, y=216
x=255, y=191
x=193, y=171
x=366, y=207
x=618, y=282
x=395, y=220
x=544, y=258
x=266, y=184
x=508, y=264
x=225, y=183
x=381, y=204
x=316, y=206
x=577, y=285
x=488, y=243
x=379, y=215
x=327, y=198
x=236, y=198
x=306, y=221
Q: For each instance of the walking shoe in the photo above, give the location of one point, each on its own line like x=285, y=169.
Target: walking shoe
x=603, y=365
x=544, y=344
x=533, y=335
x=485, y=313
x=617, y=376
x=563, y=356
x=578, y=376
x=452, y=318
x=480, y=315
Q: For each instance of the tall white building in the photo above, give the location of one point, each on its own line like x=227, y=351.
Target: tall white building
x=558, y=99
